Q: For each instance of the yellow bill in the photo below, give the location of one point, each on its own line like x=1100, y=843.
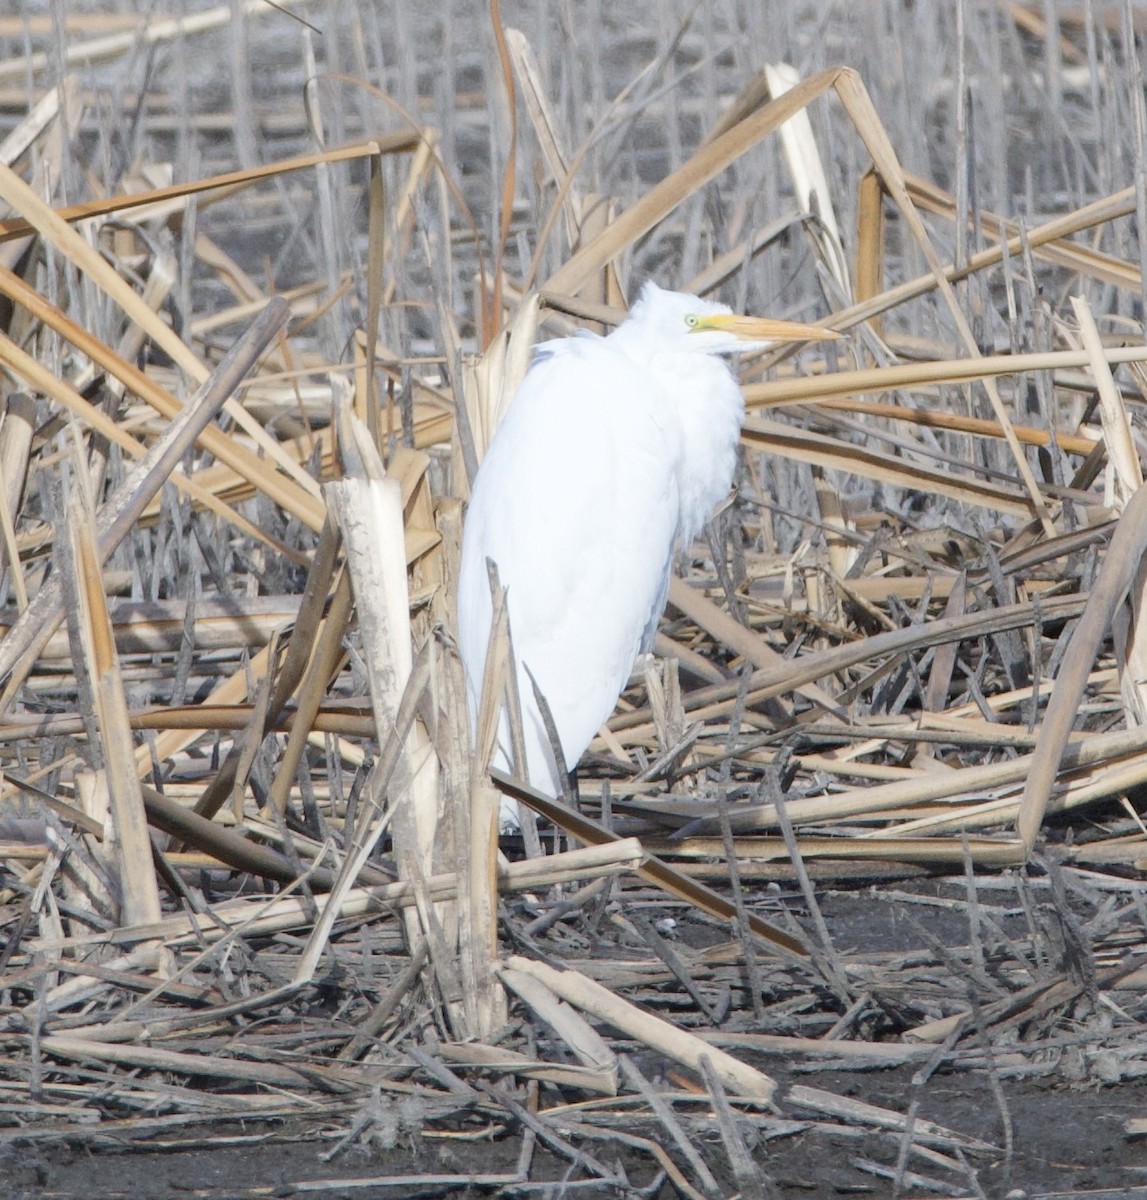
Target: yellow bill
x=763, y=329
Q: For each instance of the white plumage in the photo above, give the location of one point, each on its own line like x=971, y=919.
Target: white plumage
x=613, y=451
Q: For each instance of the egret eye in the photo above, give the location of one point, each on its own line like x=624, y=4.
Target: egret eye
x=691, y=321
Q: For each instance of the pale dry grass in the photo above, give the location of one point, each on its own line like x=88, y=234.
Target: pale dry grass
x=855, y=667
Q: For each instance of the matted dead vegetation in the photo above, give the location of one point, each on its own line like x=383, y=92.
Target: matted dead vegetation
x=250, y=868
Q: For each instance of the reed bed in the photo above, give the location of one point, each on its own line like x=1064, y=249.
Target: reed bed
x=252, y=352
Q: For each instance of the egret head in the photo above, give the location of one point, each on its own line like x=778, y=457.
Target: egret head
x=683, y=322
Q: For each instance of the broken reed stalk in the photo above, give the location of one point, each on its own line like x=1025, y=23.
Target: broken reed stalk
x=891, y=685
x=20, y=647
x=127, y=836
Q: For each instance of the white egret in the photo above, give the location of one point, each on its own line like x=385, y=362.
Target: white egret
x=614, y=451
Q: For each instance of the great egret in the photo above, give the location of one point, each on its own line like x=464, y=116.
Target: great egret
x=614, y=450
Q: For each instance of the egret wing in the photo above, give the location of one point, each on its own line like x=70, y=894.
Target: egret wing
x=577, y=503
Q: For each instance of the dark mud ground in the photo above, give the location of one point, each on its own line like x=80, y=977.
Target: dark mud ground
x=1064, y=1142
x=1052, y=1138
